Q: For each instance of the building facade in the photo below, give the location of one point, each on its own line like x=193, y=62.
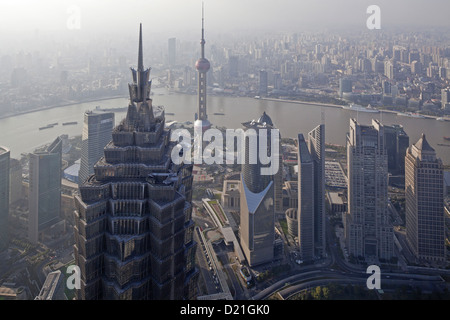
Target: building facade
x=4, y=196
x=44, y=195
x=97, y=129
x=424, y=193
x=368, y=230
x=15, y=181
x=257, y=224
x=306, y=200
x=134, y=228
x=396, y=142
x=316, y=147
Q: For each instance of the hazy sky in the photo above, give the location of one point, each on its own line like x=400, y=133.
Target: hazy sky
x=181, y=16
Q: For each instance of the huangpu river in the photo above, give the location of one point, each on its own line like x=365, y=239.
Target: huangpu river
x=21, y=133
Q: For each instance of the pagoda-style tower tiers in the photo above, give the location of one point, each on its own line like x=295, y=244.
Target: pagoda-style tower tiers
x=133, y=225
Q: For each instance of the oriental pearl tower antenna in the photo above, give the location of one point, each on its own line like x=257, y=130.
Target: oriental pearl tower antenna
x=202, y=65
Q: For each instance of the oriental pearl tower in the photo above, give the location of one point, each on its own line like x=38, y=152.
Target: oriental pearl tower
x=202, y=65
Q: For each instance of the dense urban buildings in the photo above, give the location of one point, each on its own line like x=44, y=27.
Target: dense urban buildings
x=425, y=217
x=133, y=226
x=97, y=129
x=4, y=196
x=368, y=229
x=134, y=232
x=44, y=199
x=257, y=214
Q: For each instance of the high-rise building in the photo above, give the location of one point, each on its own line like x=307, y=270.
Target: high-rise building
x=368, y=230
x=263, y=82
x=97, y=129
x=396, y=143
x=4, y=197
x=345, y=85
x=305, y=212
x=15, y=181
x=445, y=98
x=257, y=228
x=386, y=87
x=316, y=147
x=311, y=192
x=424, y=194
x=172, y=49
x=233, y=66
x=44, y=198
x=133, y=225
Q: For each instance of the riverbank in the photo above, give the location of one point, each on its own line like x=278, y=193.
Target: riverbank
x=59, y=105
x=303, y=102
x=423, y=116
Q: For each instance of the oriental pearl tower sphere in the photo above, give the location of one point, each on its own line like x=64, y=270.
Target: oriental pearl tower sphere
x=202, y=65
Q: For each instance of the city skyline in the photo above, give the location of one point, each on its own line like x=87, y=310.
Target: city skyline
x=369, y=193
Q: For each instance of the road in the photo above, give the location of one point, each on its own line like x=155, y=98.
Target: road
x=322, y=274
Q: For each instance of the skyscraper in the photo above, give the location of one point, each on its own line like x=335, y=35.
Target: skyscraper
x=305, y=216
x=369, y=232
x=133, y=227
x=44, y=199
x=257, y=232
x=97, y=129
x=396, y=143
x=311, y=190
x=424, y=193
x=445, y=99
x=316, y=147
x=15, y=181
x=345, y=85
x=4, y=197
x=263, y=82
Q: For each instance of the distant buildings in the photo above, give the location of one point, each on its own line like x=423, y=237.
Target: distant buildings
x=172, y=49
x=368, y=230
x=4, y=197
x=425, y=221
x=263, y=83
x=445, y=99
x=96, y=135
x=44, y=199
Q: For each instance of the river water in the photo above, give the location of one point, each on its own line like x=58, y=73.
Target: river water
x=21, y=133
